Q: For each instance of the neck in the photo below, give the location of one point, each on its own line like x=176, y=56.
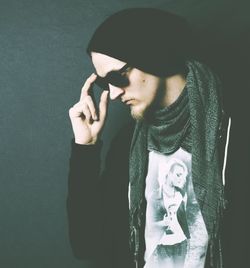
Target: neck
x=173, y=87
x=169, y=190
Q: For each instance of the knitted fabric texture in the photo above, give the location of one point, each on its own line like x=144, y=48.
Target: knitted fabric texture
x=169, y=127
x=152, y=40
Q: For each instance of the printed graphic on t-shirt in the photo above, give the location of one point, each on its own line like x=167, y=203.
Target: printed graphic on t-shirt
x=175, y=233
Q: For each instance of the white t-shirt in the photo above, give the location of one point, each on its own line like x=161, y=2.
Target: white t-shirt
x=175, y=232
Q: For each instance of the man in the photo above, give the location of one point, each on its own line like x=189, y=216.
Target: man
x=142, y=57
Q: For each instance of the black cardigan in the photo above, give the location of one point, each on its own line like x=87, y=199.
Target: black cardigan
x=97, y=206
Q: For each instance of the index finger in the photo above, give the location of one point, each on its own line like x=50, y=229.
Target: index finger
x=87, y=85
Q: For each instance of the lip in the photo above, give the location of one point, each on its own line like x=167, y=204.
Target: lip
x=127, y=102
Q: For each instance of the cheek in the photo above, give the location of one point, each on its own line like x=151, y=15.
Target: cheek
x=138, y=83
x=151, y=87
x=143, y=86
x=146, y=91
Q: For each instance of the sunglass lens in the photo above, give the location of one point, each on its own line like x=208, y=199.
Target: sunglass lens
x=100, y=82
x=118, y=80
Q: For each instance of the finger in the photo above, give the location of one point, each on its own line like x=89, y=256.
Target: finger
x=87, y=85
x=80, y=109
x=75, y=111
x=91, y=106
x=86, y=113
x=103, y=104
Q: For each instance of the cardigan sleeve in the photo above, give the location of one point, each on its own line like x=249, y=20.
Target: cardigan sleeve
x=97, y=203
x=83, y=198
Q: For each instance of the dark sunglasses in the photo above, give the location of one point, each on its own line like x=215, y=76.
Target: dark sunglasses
x=115, y=78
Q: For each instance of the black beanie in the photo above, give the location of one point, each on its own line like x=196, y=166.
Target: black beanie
x=152, y=40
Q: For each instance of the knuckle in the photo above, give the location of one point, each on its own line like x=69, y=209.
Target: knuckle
x=71, y=111
x=75, y=107
x=88, y=98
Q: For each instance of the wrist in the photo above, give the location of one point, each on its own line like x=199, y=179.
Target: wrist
x=82, y=142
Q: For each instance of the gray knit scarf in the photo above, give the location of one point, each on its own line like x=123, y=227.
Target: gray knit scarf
x=169, y=127
x=203, y=89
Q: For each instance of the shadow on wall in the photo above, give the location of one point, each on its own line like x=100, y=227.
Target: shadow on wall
x=230, y=58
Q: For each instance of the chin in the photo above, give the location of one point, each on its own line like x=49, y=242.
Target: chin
x=142, y=112
x=138, y=113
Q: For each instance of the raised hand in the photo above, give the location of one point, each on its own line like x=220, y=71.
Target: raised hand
x=86, y=123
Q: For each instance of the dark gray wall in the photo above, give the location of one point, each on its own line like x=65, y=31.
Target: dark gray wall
x=42, y=68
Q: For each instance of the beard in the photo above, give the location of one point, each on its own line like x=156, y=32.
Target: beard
x=143, y=111
x=138, y=113
x=146, y=111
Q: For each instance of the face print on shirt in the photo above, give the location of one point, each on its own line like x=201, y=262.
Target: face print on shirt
x=175, y=232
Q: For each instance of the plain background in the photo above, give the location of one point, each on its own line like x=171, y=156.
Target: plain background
x=43, y=65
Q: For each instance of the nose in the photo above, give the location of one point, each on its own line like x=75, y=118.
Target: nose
x=115, y=92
